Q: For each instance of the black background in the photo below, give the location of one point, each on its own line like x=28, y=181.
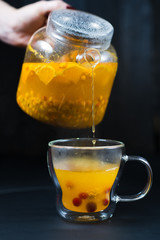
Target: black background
x=132, y=116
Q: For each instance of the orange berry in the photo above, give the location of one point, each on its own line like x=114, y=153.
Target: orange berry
x=91, y=207
x=76, y=202
x=105, y=202
x=83, y=195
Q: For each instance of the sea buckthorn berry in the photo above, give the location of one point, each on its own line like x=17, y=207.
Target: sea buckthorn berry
x=83, y=195
x=44, y=98
x=83, y=77
x=69, y=185
x=97, y=104
x=105, y=202
x=100, y=98
x=91, y=207
x=76, y=202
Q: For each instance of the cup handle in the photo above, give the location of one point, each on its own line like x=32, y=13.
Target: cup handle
x=148, y=185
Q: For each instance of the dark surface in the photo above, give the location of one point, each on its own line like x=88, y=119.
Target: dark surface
x=28, y=211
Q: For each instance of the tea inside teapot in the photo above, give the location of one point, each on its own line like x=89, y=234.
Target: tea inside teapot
x=62, y=62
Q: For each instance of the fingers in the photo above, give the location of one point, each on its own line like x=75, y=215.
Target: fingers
x=46, y=7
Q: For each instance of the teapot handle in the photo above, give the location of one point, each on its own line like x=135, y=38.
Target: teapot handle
x=91, y=56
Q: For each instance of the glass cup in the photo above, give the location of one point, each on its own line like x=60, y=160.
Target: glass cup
x=86, y=173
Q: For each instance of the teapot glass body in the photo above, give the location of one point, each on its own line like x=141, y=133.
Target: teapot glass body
x=58, y=74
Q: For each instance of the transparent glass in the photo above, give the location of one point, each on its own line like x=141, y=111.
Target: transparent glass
x=62, y=62
x=86, y=173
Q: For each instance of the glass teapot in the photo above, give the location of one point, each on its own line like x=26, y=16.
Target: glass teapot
x=68, y=70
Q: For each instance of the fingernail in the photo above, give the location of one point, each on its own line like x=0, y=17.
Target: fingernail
x=70, y=7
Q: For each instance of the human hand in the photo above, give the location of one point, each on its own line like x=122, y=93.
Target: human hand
x=18, y=25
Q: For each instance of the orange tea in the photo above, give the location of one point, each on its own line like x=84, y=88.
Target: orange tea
x=86, y=183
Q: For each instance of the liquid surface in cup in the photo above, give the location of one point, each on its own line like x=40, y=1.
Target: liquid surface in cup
x=86, y=183
x=60, y=93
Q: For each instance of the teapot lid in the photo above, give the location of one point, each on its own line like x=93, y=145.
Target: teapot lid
x=80, y=28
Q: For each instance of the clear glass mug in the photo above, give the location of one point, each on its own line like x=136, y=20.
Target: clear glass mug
x=86, y=172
